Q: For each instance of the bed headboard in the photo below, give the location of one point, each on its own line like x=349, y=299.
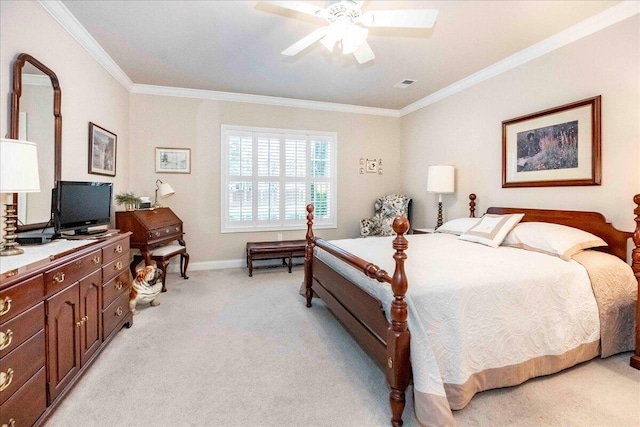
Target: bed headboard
x=592, y=222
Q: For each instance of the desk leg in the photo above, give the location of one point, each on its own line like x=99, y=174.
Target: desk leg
x=147, y=257
x=250, y=264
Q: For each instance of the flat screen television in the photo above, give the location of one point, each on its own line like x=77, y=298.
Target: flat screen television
x=78, y=205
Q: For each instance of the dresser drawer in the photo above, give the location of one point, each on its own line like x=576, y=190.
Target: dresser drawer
x=115, y=267
x=114, y=314
x=18, y=298
x=114, y=250
x=20, y=365
x=165, y=232
x=27, y=404
x=115, y=287
x=17, y=330
x=69, y=273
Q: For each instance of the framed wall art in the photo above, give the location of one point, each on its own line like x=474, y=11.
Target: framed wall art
x=372, y=165
x=173, y=160
x=102, y=151
x=555, y=147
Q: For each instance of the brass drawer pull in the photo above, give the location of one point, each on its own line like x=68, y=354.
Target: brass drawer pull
x=119, y=311
x=59, y=277
x=5, y=379
x=118, y=249
x=119, y=285
x=12, y=423
x=85, y=319
x=78, y=324
x=156, y=233
x=5, y=306
x=5, y=339
x=96, y=259
x=118, y=265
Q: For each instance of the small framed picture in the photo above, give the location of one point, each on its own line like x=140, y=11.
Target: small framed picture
x=102, y=151
x=372, y=166
x=173, y=160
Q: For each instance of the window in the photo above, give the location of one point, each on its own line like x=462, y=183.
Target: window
x=270, y=175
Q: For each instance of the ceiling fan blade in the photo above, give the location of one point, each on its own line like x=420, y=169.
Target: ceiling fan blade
x=363, y=53
x=405, y=18
x=306, y=41
x=300, y=6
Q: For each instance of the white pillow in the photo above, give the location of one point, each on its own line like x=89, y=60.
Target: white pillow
x=492, y=229
x=552, y=239
x=457, y=226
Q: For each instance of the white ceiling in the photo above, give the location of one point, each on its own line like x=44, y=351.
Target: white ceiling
x=234, y=46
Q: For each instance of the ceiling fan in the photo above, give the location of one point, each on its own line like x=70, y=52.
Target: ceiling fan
x=345, y=18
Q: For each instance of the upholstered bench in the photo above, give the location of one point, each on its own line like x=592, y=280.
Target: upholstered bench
x=285, y=249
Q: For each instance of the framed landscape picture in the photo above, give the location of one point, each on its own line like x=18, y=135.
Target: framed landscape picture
x=173, y=160
x=102, y=151
x=555, y=147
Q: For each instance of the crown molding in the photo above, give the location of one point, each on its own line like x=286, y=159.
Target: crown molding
x=604, y=19
x=260, y=99
x=69, y=22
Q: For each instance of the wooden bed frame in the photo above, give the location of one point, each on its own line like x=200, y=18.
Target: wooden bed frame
x=387, y=343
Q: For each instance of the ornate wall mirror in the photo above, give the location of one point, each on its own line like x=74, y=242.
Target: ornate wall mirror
x=36, y=117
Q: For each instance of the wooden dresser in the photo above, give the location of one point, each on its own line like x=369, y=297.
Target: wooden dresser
x=56, y=315
x=150, y=228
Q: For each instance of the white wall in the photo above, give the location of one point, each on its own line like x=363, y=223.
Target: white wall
x=89, y=92
x=465, y=130
x=158, y=121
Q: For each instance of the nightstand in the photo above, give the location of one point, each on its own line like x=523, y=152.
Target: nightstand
x=423, y=230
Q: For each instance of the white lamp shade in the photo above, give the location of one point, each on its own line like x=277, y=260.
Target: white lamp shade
x=165, y=190
x=441, y=179
x=18, y=167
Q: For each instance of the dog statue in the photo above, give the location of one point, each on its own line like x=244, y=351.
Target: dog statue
x=145, y=287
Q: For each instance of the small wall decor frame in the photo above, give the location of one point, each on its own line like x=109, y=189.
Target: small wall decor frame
x=560, y=146
x=372, y=166
x=173, y=160
x=102, y=151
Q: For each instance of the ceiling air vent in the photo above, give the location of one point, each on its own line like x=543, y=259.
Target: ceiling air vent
x=404, y=83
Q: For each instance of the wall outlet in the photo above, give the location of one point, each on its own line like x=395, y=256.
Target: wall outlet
x=279, y=237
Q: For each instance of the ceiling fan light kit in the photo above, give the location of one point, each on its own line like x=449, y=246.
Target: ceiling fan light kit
x=343, y=30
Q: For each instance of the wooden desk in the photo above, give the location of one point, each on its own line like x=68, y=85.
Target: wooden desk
x=150, y=228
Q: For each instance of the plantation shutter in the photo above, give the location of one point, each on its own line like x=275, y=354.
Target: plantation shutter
x=270, y=175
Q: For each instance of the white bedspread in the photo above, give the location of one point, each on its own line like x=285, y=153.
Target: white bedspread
x=474, y=308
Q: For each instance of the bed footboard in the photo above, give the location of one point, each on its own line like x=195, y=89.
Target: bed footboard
x=388, y=348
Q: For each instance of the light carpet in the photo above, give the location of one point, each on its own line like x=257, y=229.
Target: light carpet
x=224, y=349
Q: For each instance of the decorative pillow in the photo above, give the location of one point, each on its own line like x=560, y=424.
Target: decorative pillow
x=457, y=226
x=492, y=229
x=552, y=239
x=366, y=227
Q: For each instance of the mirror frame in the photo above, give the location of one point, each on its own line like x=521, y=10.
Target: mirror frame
x=18, y=64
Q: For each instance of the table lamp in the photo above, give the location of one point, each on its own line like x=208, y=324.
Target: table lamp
x=164, y=190
x=18, y=174
x=441, y=180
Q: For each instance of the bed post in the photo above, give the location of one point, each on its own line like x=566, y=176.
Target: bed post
x=308, y=256
x=398, y=362
x=472, y=205
x=635, y=265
